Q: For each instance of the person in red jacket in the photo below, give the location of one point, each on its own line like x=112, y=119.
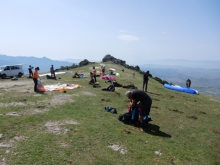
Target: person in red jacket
x=35, y=78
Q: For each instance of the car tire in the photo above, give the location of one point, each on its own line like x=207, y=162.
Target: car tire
x=4, y=76
x=20, y=74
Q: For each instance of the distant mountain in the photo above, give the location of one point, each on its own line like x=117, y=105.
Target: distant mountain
x=44, y=63
x=75, y=61
x=184, y=63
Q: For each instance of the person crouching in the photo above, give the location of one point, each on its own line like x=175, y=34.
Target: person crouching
x=144, y=105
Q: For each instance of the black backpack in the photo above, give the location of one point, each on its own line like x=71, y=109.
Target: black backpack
x=110, y=88
x=125, y=118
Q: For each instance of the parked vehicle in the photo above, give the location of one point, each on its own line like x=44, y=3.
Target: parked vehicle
x=11, y=71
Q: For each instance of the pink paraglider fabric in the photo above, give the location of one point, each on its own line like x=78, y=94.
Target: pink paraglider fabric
x=107, y=77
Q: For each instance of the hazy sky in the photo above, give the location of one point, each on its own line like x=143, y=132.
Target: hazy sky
x=132, y=30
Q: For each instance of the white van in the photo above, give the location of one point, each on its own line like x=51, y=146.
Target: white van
x=11, y=70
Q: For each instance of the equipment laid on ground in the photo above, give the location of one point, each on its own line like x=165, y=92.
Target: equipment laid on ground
x=180, y=89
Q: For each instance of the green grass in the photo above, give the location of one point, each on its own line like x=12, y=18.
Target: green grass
x=173, y=131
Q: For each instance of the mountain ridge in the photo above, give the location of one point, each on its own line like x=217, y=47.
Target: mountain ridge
x=44, y=63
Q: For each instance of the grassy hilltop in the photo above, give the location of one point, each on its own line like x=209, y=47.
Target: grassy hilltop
x=72, y=127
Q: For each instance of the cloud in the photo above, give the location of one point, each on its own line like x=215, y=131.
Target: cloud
x=128, y=38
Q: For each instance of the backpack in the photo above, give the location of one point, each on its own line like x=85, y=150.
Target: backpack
x=110, y=88
x=116, y=84
x=96, y=85
x=125, y=118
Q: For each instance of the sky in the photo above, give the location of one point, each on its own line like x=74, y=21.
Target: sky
x=136, y=31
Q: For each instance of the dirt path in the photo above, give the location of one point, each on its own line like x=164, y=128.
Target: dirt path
x=7, y=83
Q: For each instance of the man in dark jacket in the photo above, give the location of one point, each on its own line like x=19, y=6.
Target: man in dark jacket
x=145, y=80
x=144, y=103
x=188, y=83
x=52, y=71
x=30, y=71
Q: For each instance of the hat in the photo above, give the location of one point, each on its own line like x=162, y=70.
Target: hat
x=127, y=93
x=37, y=68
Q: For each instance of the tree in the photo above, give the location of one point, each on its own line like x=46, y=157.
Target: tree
x=108, y=57
x=84, y=62
x=137, y=68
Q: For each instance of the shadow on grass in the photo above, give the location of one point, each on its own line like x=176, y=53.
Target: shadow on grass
x=155, y=130
x=40, y=92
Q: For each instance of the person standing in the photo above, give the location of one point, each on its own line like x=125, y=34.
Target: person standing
x=188, y=83
x=52, y=71
x=145, y=81
x=35, y=78
x=144, y=104
x=30, y=71
x=94, y=73
x=103, y=71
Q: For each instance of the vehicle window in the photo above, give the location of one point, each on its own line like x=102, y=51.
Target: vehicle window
x=7, y=68
x=12, y=68
x=17, y=67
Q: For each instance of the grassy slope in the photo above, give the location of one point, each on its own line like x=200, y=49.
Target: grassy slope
x=192, y=140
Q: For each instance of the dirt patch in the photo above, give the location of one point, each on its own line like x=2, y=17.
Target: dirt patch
x=88, y=93
x=8, y=83
x=192, y=117
x=175, y=110
x=12, y=104
x=215, y=131
x=7, y=144
x=202, y=112
x=120, y=149
x=63, y=144
x=56, y=127
x=126, y=131
x=156, y=99
x=106, y=100
x=60, y=99
x=34, y=111
x=12, y=114
x=154, y=107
